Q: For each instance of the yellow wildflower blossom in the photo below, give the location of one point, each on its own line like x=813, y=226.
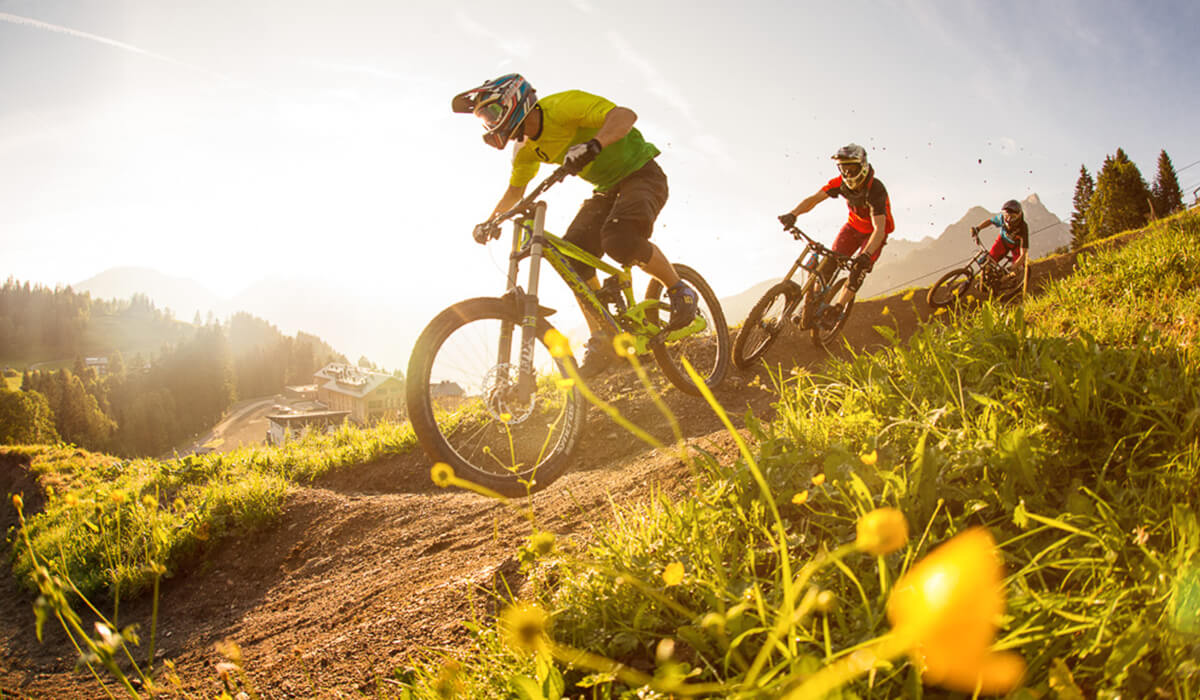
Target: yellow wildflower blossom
x=882, y=531
x=946, y=610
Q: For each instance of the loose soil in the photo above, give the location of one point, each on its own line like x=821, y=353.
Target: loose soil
x=374, y=565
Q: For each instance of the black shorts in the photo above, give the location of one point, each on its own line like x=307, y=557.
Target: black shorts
x=620, y=220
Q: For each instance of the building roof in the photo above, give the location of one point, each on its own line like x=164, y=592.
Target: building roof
x=350, y=380
x=307, y=417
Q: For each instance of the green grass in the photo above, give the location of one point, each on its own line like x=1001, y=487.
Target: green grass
x=1070, y=430
x=108, y=524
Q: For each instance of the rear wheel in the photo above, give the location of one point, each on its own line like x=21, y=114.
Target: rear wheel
x=465, y=407
x=950, y=289
x=829, y=322
x=707, y=351
x=766, y=322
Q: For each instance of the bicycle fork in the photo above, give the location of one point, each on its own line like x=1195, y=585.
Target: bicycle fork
x=528, y=301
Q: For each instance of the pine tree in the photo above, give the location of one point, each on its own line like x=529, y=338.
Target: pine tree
x=1121, y=201
x=1165, y=193
x=1085, y=187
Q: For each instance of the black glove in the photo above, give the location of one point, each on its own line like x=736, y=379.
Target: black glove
x=579, y=155
x=863, y=262
x=788, y=220
x=975, y=231
x=482, y=233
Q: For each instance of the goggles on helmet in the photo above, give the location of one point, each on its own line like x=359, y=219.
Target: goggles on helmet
x=850, y=169
x=490, y=112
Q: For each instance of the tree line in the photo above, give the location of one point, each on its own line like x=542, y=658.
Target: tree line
x=143, y=407
x=1118, y=199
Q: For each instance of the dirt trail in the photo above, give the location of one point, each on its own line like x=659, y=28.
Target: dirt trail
x=375, y=564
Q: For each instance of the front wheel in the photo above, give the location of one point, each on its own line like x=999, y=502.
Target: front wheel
x=707, y=350
x=950, y=289
x=829, y=318
x=468, y=411
x=766, y=322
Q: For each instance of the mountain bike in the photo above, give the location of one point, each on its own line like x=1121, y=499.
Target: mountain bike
x=815, y=297
x=486, y=393
x=981, y=277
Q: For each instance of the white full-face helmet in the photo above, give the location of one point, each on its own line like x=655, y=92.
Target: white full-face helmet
x=852, y=164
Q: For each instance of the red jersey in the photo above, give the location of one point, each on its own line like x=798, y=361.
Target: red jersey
x=865, y=203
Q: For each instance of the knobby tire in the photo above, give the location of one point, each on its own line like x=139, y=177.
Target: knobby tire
x=482, y=431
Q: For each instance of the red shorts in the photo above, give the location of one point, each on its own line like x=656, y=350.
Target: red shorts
x=1002, y=247
x=850, y=240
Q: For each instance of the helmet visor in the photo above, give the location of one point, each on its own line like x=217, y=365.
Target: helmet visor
x=850, y=170
x=492, y=113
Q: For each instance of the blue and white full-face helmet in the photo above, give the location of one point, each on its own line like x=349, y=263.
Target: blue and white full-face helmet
x=502, y=104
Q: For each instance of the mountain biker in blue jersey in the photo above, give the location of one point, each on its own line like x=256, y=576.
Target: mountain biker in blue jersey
x=596, y=140
x=1013, y=239
x=870, y=218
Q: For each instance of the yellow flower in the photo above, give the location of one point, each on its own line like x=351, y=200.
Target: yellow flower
x=117, y=496
x=449, y=683
x=826, y=601
x=882, y=531
x=624, y=345
x=818, y=479
x=505, y=417
x=149, y=501
x=869, y=458
x=523, y=627
x=542, y=543
x=71, y=500
x=909, y=296
x=940, y=311
x=557, y=343
x=18, y=502
x=673, y=574
x=885, y=311
x=800, y=498
x=442, y=474
x=945, y=609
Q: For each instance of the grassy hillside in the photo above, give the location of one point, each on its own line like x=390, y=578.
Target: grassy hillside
x=1067, y=429
x=115, y=525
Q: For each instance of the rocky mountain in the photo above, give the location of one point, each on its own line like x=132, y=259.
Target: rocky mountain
x=920, y=263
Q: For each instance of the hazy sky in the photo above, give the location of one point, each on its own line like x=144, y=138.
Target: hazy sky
x=228, y=141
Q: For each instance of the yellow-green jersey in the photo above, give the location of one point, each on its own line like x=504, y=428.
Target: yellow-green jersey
x=573, y=117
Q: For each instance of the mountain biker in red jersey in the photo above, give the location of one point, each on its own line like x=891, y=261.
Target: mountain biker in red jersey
x=865, y=233
x=1013, y=239
x=596, y=140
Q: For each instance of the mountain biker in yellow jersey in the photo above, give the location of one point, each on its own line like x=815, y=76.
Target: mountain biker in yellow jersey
x=865, y=233
x=1013, y=239
x=594, y=139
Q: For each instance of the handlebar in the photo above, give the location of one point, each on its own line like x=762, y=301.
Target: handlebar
x=560, y=173
x=825, y=250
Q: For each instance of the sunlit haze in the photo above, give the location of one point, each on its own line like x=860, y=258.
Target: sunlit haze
x=234, y=142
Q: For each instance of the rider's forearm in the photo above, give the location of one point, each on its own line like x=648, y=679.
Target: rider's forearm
x=618, y=122
x=985, y=224
x=809, y=202
x=875, y=242
x=511, y=196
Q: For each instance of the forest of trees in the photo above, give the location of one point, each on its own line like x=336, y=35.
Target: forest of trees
x=1119, y=199
x=144, y=406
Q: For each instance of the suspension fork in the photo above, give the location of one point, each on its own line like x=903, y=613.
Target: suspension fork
x=526, y=380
